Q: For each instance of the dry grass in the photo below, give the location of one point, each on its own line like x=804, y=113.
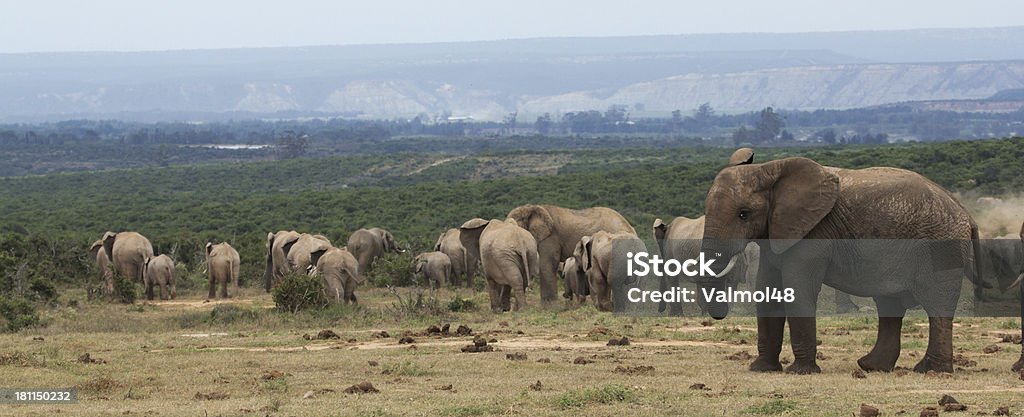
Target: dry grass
x=242, y=358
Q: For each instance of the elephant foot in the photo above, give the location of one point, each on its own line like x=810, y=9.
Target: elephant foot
x=931, y=364
x=765, y=364
x=1019, y=366
x=873, y=362
x=803, y=368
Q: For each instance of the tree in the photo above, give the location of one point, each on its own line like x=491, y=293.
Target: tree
x=543, y=124
x=703, y=115
x=768, y=126
x=510, y=121
x=292, y=145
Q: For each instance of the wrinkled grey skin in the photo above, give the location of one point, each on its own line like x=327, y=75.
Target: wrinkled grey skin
x=596, y=258
x=805, y=209
x=222, y=263
x=289, y=251
x=1020, y=286
x=339, y=272
x=463, y=263
x=557, y=230
x=369, y=244
x=127, y=253
x=99, y=254
x=1003, y=258
x=159, y=272
x=508, y=255
x=435, y=267
x=576, y=286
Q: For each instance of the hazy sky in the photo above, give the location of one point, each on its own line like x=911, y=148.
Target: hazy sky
x=131, y=25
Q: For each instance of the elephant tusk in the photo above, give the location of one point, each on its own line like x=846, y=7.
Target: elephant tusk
x=1017, y=282
x=728, y=268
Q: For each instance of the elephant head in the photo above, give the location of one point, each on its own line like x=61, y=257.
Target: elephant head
x=535, y=219
x=108, y=244
x=780, y=200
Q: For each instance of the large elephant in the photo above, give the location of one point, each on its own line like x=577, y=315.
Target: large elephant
x=339, y=272
x=463, y=262
x=222, y=263
x=813, y=217
x=369, y=244
x=99, y=255
x=435, y=267
x=596, y=258
x=289, y=251
x=558, y=229
x=159, y=272
x=576, y=286
x=508, y=255
x=127, y=253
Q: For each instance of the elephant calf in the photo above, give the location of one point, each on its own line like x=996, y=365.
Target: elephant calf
x=508, y=254
x=436, y=267
x=339, y=272
x=159, y=271
x=596, y=257
x=97, y=252
x=576, y=286
x=463, y=263
x=222, y=264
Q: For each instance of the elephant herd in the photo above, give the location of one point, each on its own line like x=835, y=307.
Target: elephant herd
x=789, y=223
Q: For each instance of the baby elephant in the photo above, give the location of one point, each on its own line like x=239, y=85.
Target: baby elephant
x=435, y=266
x=221, y=267
x=576, y=286
x=339, y=272
x=159, y=271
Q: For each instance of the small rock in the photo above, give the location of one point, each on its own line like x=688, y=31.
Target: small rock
x=492, y=340
x=536, y=386
x=382, y=334
x=868, y=411
x=700, y=387
x=433, y=329
x=991, y=349
x=86, y=358
x=406, y=340
x=308, y=395
x=955, y=407
x=930, y=412
x=479, y=341
x=515, y=356
x=624, y=341
x=372, y=363
x=444, y=387
x=362, y=388
x=463, y=330
x=444, y=329
x=1011, y=338
x=859, y=374
x=948, y=399
x=820, y=356
x=1002, y=411
x=327, y=334
x=581, y=361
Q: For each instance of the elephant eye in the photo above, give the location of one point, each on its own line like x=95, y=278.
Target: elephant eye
x=744, y=214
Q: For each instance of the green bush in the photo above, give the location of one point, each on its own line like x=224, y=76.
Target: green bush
x=17, y=314
x=42, y=290
x=230, y=313
x=298, y=291
x=392, y=269
x=124, y=289
x=459, y=304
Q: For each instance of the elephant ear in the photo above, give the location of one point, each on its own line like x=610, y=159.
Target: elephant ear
x=419, y=267
x=314, y=256
x=536, y=219
x=742, y=156
x=437, y=245
x=474, y=224
x=94, y=250
x=802, y=193
x=209, y=248
x=108, y=244
x=286, y=245
x=585, y=259
x=660, y=229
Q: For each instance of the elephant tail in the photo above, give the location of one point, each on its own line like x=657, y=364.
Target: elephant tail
x=525, y=264
x=975, y=275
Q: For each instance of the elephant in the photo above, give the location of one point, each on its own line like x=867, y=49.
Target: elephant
x=339, y=272
x=576, y=286
x=1019, y=365
x=435, y=266
x=222, y=263
x=369, y=244
x=812, y=217
x=558, y=229
x=159, y=271
x=596, y=258
x=99, y=254
x=289, y=251
x=463, y=263
x=508, y=255
x=127, y=253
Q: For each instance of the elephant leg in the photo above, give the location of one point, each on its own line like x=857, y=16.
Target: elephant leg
x=149, y=290
x=769, y=344
x=548, y=281
x=886, y=351
x=213, y=287
x=224, y=288
x=520, y=298
x=939, y=356
x=506, y=298
x=803, y=337
x=1017, y=367
x=495, y=292
x=844, y=304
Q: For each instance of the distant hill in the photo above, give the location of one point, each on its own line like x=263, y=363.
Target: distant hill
x=487, y=80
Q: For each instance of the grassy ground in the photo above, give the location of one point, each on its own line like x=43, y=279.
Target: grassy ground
x=191, y=357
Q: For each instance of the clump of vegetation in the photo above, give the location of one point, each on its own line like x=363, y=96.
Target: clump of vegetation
x=17, y=313
x=607, y=394
x=392, y=270
x=124, y=290
x=773, y=407
x=298, y=291
x=459, y=304
x=223, y=314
